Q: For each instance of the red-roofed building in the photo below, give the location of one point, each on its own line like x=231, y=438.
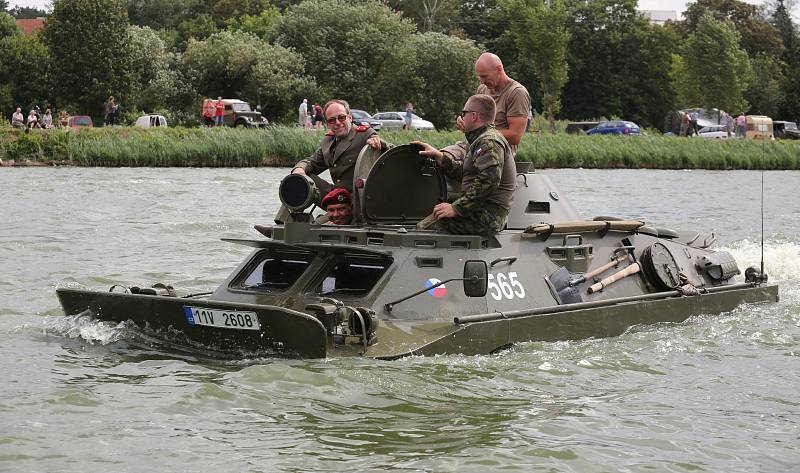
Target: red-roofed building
x=30, y=26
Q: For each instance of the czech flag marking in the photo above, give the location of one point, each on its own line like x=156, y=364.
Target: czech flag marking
x=437, y=292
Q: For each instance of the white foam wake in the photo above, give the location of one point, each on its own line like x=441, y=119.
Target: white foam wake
x=781, y=259
x=84, y=327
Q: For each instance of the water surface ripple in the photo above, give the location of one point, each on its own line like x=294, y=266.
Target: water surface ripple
x=715, y=393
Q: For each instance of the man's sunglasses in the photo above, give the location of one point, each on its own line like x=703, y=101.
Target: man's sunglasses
x=332, y=120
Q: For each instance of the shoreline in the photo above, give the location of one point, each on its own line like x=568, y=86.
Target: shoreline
x=279, y=146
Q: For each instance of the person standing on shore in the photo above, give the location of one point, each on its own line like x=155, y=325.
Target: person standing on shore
x=409, y=117
x=319, y=116
x=728, y=120
x=741, y=126
x=302, y=113
x=219, y=112
x=111, y=111
x=684, y=124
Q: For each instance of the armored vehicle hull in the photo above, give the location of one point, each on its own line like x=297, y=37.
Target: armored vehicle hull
x=381, y=288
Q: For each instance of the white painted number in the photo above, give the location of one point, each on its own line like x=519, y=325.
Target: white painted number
x=505, y=286
x=519, y=290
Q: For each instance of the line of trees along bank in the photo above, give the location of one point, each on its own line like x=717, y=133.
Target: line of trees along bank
x=580, y=59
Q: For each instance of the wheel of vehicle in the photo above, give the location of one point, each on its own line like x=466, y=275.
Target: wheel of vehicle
x=239, y=123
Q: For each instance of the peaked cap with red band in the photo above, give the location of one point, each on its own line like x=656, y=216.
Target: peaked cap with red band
x=336, y=196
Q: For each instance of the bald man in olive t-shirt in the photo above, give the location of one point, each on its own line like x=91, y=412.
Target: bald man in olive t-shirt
x=511, y=97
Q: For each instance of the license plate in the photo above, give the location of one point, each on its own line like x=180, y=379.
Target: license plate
x=234, y=319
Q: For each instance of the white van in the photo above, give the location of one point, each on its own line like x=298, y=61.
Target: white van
x=149, y=121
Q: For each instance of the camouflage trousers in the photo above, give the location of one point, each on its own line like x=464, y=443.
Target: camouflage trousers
x=485, y=222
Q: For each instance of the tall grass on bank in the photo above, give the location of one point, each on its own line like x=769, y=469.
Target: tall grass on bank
x=283, y=146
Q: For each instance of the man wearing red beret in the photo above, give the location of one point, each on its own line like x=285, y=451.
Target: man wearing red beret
x=338, y=205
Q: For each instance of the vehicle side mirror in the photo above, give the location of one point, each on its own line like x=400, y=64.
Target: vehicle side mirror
x=476, y=278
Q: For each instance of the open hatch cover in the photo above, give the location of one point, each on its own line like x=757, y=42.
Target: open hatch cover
x=402, y=187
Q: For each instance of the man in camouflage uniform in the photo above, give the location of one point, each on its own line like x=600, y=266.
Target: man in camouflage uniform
x=337, y=152
x=487, y=173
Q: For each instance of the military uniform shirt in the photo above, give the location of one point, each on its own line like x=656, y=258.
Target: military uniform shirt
x=338, y=155
x=488, y=173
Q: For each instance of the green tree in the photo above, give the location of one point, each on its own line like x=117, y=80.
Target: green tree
x=756, y=34
x=198, y=27
x=541, y=38
x=445, y=76
x=161, y=14
x=27, y=13
x=158, y=83
x=8, y=27
x=358, y=51
x=439, y=16
x=92, y=55
x=764, y=94
x=24, y=81
x=259, y=25
x=790, y=108
x=717, y=65
x=275, y=79
x=225, y=10
x=687, y=91
x=237, y=64
x=619, y=63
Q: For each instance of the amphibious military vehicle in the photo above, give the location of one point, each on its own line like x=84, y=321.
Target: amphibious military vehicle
x=380, y=288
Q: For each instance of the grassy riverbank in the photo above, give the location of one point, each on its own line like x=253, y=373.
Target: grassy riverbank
x=283, y=146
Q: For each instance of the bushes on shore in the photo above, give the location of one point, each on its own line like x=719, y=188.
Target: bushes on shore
x=283, y=146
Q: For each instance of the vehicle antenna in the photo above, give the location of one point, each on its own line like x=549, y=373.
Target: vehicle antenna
x=763, y=163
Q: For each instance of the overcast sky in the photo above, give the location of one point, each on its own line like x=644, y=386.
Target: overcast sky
x=677, y=5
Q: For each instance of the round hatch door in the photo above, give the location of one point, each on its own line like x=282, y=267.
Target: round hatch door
x=402, y=187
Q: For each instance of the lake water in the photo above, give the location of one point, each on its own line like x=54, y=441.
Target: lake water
x=716, y=393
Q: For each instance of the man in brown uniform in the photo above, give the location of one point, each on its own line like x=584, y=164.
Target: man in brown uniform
x=487, y=174
x=511, y=97
x=337, y=152
x=340, y=147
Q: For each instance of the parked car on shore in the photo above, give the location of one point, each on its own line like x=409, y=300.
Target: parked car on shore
x=718, y=132
x=360, y=117
x=150, y=121
x=239, y=113
x=80, y=121
x=615, y=127
x=580, y=128
x=786, y=130
x=396, y=120
x=759, y=127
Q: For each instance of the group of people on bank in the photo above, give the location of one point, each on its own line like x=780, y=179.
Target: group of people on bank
x=493, y=122
x=37, y=119
x=213, y=112
x=310, y=117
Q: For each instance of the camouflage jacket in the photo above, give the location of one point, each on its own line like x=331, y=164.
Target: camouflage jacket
x=487, y=173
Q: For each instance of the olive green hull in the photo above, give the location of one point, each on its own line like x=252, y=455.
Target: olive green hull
x=283, y=331
x=289, y=333
x=591, y=322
